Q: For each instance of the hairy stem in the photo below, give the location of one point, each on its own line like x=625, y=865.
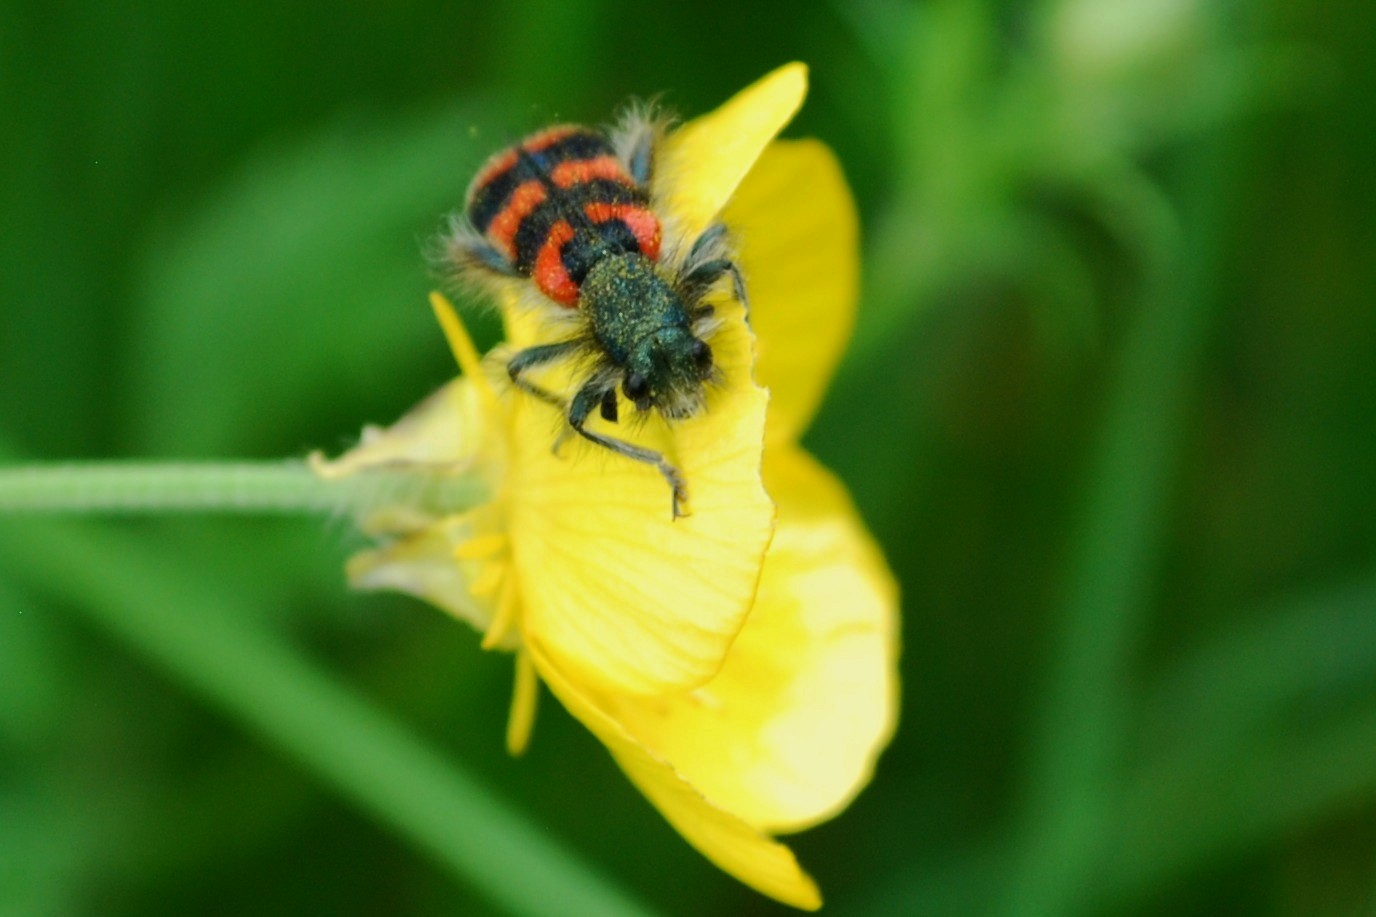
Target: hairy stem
x=278, y=486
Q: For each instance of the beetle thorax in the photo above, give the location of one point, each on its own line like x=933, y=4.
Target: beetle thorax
x=643, y=327
x=626, y=300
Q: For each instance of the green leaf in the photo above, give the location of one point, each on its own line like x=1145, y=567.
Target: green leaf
x=1114, y=552
x=216, y=650
x=1235, y=758
x=1273, y=666
x=297, y=288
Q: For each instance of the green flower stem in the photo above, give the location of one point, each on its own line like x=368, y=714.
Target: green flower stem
x=283, y=486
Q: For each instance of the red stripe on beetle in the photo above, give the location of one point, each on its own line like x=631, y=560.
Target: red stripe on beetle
x=550, y=274
x=578, y=171
x=643, y=224
x=523, y=201
x=506, y=159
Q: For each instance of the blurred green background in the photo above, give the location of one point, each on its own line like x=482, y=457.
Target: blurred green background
x=1110, y=409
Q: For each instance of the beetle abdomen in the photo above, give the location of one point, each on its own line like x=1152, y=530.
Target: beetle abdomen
x=557, y=203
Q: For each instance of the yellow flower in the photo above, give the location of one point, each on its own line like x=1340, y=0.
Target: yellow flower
x=740, y=669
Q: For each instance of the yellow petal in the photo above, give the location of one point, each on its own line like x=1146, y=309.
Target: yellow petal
x=788, y=731
x=460, y=344
x=702, y=162
x=622, y=596
x=726, y=840
x=448, y=430
x=423, y=565
x=524, y=699
x=794, y=220
x=442, y=431
x=446, y=434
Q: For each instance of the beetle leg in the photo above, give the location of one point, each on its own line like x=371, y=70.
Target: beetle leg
x=701, y=277
x=538, y=356
x=591, y=395
x=711, y=244
x=609, y=406
x=469, y=251
x=635, y=140
x=641, y=161
x=708, y=260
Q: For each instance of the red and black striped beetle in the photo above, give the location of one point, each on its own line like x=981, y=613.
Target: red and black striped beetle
x=570, y=208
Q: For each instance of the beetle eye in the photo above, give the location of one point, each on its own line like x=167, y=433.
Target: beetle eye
x=702, y=356
x=637, y=389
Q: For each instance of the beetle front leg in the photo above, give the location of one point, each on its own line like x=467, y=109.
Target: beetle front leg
x=590, y=397
x=708, y=261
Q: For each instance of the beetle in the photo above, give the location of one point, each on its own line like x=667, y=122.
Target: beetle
x=570, y=210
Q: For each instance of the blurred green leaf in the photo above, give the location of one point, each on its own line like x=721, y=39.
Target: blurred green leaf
x=1278, y=666
x=1237, y=757
x=1238, y=804
x=213, y=648
x=1115, y=546
x=40, y=852
x=36, y=664
x=298, y=285
x=1264, y=731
